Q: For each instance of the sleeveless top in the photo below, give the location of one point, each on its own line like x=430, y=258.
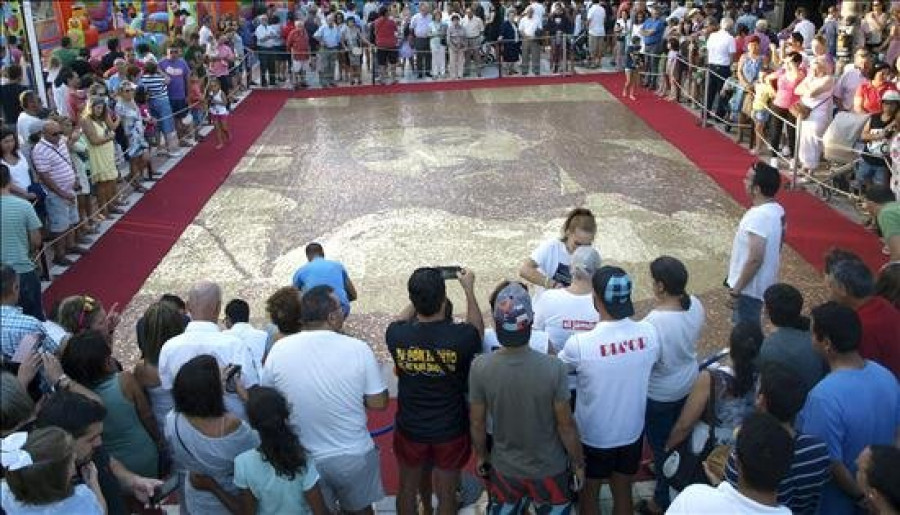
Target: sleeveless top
x=124, y=436
x=102, y=157
x=161, y=403
x=751, y=68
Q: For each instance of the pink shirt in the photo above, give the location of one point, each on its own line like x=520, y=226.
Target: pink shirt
x=55, y=162
x=784, y=94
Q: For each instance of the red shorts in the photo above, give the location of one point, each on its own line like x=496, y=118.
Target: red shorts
x=451, y=455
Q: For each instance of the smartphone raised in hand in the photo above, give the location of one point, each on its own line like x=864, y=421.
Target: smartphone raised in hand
x=231, y=378
x=449, y=272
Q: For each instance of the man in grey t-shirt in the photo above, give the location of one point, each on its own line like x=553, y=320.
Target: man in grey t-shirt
x=526, y=393
x=790, y=345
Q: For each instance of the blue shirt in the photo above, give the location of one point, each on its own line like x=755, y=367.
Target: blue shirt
x=849, y=410
x=329, y=36
x=658, y=28
x=321, y=271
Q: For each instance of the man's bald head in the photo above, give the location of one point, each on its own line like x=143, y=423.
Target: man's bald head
x=205, y=301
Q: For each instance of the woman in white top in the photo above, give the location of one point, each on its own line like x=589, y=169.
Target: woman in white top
x=815, y=93
x=12, y=157
x=548, y=266
x=679, y=319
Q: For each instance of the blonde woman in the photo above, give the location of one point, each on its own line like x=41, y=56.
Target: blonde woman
x=100, y=129
x=815, y=93
x=138, y=151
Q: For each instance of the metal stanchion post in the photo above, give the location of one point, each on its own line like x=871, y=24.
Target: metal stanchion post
x=795, y=159
x=565, y=56
x=498, y=50
x=704, y=114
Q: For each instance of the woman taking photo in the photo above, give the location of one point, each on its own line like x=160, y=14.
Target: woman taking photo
x=100, y=129
x=548, y=266
x=130, y=433
x=679, y=319
x=734, y=389
x=205, y=438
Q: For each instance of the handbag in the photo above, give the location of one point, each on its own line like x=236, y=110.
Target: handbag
x=682, y=466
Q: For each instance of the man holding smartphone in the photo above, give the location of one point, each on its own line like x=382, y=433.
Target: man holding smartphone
x=432, y=355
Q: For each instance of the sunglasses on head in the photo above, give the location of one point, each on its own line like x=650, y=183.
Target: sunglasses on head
x=88, y=305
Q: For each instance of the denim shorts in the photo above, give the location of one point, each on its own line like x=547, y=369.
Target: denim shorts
x=61, y=213
x=877, y=173
x=161, y=109
x=761, y=116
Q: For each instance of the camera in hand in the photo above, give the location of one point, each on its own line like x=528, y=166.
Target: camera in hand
x=449, y=272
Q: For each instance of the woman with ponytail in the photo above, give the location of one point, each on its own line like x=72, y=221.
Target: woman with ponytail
x=734, y=389
x=277, y=477
x=790, y=345
x=679, y=319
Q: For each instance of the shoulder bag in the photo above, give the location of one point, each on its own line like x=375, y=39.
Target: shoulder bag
x=683, y=466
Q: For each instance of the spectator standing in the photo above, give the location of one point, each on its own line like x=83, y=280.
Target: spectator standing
x=613, y=362
x=781, y=394
x=385, y=29
x=456, y=41
x=756, y=251
x=53, y=165
x=596, y=18
x=29, y=121
x=329, y=380
x=319, y=271
x=266, y=41
x=297, y=44
x=532, y=44
x=868, y=96
x=652, y=31
x=99, y=127
x=253, y=341
x=884, y=207
x=178, y=73
x=113, y=52
x=679, y=319
x=130, y=433
x=205, y=438
x=156, y=85
x=790, y=345
x=420, y=26
x=764, y=451
x=850, y=283
x=221, y=58
x=201, y=336
x=20, y=234
x=438, y=44
x=10, y=91
x=65, y=53
x=474, y=27
x=851, y=78
x=548, y=266
x=432, y=355
x=14, y=323
x=856, y=405
x=816, y=92
x=329, y=36
x=526, y=395
x=721, y=51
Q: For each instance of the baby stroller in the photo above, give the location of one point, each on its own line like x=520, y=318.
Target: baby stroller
x=839, y=144
x=579, y=48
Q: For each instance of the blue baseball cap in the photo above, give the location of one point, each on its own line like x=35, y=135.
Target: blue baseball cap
x=613, y=287
x=513, y=316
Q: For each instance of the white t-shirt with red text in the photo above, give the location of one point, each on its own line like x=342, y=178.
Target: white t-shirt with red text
x=612, y=363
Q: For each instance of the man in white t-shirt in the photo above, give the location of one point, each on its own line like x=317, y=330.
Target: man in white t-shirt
x=596, y=17
x=720, y=50
x=253, y=341
x=764, y=453
x=201, y=336
x=756, y=251
x=330, y=379
x=613, y=363
x=539, y=12
x=804, y=27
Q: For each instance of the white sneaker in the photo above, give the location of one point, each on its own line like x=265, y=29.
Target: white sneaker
x=175, y=153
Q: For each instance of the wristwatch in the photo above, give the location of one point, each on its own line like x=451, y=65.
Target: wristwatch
x=62, y=383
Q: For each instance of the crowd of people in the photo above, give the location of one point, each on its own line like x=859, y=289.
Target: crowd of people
x=553, y=399
x=557, y=396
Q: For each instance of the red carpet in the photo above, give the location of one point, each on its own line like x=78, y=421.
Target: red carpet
x=813, y=227
x=120, y=262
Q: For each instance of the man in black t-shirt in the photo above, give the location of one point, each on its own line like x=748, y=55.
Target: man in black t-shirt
x=432, y=356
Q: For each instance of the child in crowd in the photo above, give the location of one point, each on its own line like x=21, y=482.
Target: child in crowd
x=196, y=100
x=38, y=468
x=765, y=93
x=218, y=110
x=668, y=85
x=277, y=476
x=634, y=61
x=151, y=131
x=406, y=53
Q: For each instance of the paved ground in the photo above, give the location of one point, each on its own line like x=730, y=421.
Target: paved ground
x=476, y=178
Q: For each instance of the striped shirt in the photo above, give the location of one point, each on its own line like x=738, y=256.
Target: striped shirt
x=155, y=84
x=55, y=161
x=801, y=488
x=17, y=220
x=14, y=325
